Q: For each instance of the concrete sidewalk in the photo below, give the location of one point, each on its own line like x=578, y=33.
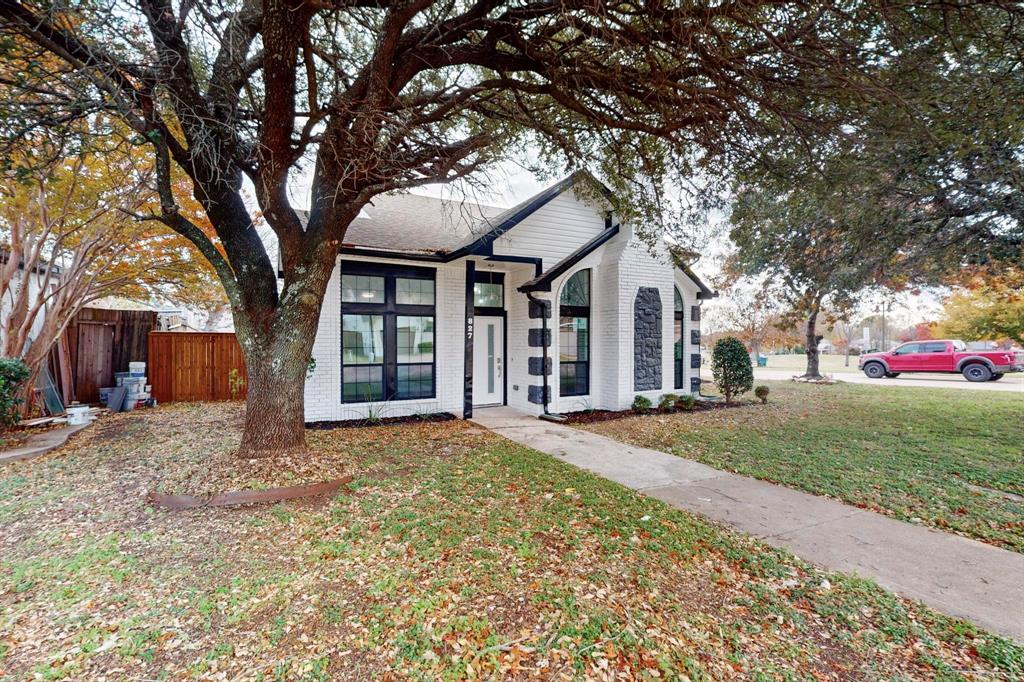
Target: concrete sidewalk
x=41, y=443
x=953, y=575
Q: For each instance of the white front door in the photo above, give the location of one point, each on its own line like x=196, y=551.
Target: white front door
x=488, y=361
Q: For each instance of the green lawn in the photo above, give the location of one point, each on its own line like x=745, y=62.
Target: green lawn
x=941, y=458
x=454, y=555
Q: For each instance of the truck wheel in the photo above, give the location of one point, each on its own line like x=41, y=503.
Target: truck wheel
x=977, y=372
x=874, y=370
x=997, y=377
x=892, y=375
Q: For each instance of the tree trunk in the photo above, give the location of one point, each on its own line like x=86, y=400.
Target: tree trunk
x=277, y=346
x=274, y=404
x=811, y=348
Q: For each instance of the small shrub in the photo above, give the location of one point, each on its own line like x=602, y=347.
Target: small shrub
x=854, y=351
x=686, y=402
x=236, y=383
x=730, y=364
x=641, y=404
x=585, y=405
x=668, y=402
x=762, y=394
x=13, y=375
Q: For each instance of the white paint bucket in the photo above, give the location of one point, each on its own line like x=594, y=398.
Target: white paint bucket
x=78, y=414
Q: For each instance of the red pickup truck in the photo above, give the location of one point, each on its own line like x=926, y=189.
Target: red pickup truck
x=942, y=356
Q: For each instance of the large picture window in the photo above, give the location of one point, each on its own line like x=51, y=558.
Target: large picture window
x=387, y=333
x=574, y=335
x=678, y=335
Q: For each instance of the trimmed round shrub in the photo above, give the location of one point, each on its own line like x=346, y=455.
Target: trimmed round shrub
x=13, y=375
x=686, y=402
x=668, y=402
x=641, y=404
x=762, y=394
x=730, y=365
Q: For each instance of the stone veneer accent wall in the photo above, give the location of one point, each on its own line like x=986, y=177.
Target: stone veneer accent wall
x=647, y=333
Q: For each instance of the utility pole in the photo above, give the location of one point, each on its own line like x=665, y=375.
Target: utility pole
x=884, y=307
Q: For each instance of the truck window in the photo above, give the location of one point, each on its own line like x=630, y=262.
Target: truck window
x=909, y=348
x=959, y=346
x=935, y=347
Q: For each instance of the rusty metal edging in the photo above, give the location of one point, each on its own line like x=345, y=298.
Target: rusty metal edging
x=238, y=497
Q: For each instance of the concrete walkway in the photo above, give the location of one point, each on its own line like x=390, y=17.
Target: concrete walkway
x=41, y=443
x=951, y=574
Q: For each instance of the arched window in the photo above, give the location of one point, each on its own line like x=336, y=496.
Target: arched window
x=678, y=328
x=574, y=335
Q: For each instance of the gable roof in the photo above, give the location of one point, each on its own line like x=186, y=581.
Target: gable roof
x=543, y=282
x=419, y=227
x=442, y=230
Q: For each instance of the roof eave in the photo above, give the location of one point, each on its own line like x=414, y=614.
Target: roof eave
x=704, y=292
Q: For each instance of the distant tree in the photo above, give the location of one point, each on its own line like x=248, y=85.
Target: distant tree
x=731, y=368
x=748, y=312
x=992, y=309
x=924, y=331
x=844, y=333
x=802, y=251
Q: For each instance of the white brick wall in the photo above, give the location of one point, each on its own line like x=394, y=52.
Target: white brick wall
x=618, y=269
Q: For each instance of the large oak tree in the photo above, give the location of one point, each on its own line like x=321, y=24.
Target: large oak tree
x=384, y=95
x=911, y=189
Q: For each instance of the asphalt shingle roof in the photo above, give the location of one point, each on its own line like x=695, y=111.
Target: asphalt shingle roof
x=417, y=224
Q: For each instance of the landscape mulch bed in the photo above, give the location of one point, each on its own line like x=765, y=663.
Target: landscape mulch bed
x=595, y=416
x=384, y=421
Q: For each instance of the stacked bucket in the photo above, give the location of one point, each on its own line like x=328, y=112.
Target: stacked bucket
x=134, y=380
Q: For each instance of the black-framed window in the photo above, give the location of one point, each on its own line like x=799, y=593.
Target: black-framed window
x=678, y=335
x=574, y=335
x=387, y=333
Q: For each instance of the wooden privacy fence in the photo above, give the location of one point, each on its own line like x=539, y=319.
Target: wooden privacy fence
x=99, y=343
x=185, y=366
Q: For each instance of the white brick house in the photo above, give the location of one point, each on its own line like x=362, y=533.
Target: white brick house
x=439, y=306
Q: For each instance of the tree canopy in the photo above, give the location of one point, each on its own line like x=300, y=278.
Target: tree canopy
x=929, y=181
x=68, y=238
